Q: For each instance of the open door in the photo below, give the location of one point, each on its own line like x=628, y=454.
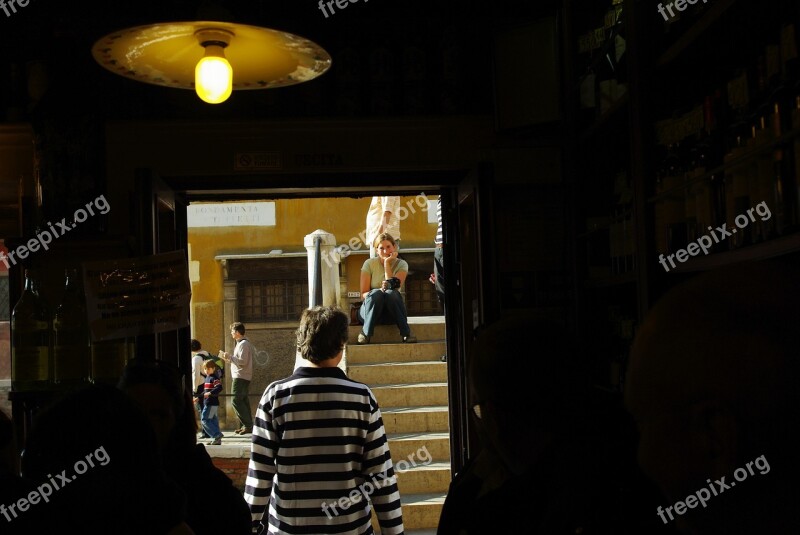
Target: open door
x=470, y=299
x=161, y=228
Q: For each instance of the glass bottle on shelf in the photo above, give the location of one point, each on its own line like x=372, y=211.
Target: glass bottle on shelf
x=704, y=161
x=783, y=183
x=30, y=339
x=659, y=209
x=695, y=169
x=674, y=210
x=787, y=100
x=796, y=151
x=109, y=358
x=628, y=231
x=693, y=189
x=71, y=350
x=718, y=117
x=621, y=229
x=764, y=188
x=736, y=191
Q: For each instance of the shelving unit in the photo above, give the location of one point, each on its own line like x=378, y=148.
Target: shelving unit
x=667, y=76
x=599, y=166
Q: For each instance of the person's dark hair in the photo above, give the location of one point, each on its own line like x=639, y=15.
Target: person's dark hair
x=547, y=386
x=105, y=497
x=195, y=345
x=322, y=333
x=160, y=373
x=238, y=326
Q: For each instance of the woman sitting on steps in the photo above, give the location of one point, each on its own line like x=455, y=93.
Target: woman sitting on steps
x=381, y=279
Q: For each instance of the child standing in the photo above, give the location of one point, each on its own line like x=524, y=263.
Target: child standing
x=208, y=392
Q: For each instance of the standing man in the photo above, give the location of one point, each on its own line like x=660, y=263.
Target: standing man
x=320, y=460
x=437, y=277
x=241, y=373
x=438, y=255
x=382, y=217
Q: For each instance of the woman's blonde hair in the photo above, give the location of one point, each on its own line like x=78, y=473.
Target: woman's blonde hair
x=383, y=237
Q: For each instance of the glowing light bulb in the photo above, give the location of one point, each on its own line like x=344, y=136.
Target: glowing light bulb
x=213, y=75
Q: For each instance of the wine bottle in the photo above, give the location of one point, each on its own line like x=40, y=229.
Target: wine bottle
x=660, y=207
x=796, y=151
x=109, y=358
x=71, y=348
x=736, y=190
x=764, y=187
x=30, y=339
x=783, y=185
x=675, y=211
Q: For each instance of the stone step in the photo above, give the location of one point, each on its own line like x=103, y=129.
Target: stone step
x=424, y=328
x=423, y=478
x=419, y=447
x=420, y=511
x=398, y=372
x=409, y=395
x=415, y=419
x=376, y=353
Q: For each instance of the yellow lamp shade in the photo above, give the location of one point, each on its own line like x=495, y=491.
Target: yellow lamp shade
x=213, y=76
x=170, y=54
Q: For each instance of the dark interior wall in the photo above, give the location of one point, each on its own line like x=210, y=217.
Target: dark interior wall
x=392, y=62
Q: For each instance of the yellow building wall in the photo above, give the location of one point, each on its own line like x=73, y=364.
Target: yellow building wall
x=294, y=219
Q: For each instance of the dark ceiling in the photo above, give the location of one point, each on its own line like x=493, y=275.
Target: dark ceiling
x=55, y=38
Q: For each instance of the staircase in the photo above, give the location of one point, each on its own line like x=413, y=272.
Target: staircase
x=410, y=383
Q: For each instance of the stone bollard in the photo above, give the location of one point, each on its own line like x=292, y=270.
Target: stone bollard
x=329, y=264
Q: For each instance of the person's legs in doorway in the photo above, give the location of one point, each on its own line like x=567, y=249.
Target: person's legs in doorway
x=211, y=423
x=241, y=405
x=396, y=308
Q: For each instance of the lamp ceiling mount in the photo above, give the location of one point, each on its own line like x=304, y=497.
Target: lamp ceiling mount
x=213, y=36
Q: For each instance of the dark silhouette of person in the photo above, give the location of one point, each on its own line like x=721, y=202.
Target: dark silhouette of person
x=213, y=504
x=557, y=455
x=96, y=463
x=713, y=385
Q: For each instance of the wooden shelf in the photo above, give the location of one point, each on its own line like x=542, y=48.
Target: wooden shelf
x=714, y=12
x=736, y=162
x=759, y=251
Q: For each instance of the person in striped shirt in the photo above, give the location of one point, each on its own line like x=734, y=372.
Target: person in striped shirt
x=319, y=453
x=437, y=277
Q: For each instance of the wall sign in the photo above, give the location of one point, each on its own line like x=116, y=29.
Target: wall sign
x=134, y=296
x=254, y=161
x=231, y=214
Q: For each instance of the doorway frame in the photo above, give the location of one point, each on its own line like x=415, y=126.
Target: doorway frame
x=462, y=436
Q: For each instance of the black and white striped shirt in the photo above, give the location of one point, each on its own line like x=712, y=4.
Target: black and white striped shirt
x=318, y=446
x=439, y=239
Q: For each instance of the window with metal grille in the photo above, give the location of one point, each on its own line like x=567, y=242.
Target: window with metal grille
x=271, y=300
x=421, y=298
x=5, y=305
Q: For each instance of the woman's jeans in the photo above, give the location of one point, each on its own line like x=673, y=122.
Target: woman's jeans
x=380, y=306
x=209, y=421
